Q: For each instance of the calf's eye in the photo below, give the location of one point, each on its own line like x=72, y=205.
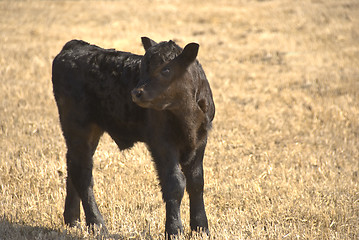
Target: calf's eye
x=165, y=72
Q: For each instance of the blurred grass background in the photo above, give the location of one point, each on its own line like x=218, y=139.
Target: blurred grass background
x=282, y=159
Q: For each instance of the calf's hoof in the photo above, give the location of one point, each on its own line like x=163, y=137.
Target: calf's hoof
x=98, y=229
x=74, y=224
x=201, y=231
x=173, y=231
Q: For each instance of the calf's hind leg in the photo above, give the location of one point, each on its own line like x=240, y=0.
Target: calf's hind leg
x=72, y=203
x=81, y=145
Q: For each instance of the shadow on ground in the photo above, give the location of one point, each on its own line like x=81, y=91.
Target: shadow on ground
x=15, y=231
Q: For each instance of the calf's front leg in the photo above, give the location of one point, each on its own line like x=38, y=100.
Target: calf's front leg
x=173, y=190
x=173, y=183
x=195, y=184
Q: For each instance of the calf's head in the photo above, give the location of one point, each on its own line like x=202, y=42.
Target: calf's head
x=164, y=76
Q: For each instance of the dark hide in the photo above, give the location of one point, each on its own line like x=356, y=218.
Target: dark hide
x=162, y=99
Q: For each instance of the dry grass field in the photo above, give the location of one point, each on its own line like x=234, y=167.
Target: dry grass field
x=283, y=156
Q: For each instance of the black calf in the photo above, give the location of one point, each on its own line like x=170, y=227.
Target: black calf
x=162, y=98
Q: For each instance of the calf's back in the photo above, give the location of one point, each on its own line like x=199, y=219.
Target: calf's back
x=97, y=84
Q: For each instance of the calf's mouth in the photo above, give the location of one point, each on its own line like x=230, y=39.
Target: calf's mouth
x=142, y=99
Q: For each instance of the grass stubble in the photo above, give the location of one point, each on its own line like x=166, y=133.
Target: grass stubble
x=282, y=160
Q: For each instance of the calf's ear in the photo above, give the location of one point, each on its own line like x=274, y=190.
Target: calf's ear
x=147, y=42
x=189, y=53
x=203, y=105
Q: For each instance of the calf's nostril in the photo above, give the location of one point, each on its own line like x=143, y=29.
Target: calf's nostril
x=137, y=93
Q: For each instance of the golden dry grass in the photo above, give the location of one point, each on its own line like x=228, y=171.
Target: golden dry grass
x=283, y=157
